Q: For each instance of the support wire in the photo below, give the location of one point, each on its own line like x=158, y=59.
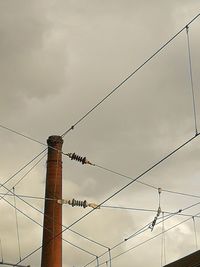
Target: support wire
x=1, y=250
x=163, y=250
x=191, y=79
x=195, y=233
x=17, y=225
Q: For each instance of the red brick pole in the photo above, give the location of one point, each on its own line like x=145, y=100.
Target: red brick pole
x=52, y=247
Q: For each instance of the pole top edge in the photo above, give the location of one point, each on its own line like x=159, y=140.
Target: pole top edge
x=55, y=139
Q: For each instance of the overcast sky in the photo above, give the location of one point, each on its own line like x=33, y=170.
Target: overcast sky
x=57, y=60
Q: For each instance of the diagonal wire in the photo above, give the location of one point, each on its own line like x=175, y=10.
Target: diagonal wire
x=36, y=222
x=21, y=134
x=146, y=227
x=149, y=239
x=38, y=210
x=9, y=190
x=120, y=190
x=129, y=76
x=191, y=79
x=21, y=169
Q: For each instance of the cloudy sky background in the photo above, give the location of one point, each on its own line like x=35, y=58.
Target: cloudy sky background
x=58, y=59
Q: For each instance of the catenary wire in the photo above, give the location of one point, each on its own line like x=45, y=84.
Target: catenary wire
x=21, y=134
x=129, y=76
x=21, y=169
x=13, y=194
x=138, y=232
x=146, y=184
x=38, y=210
x=120, y=190
x=159, y=50
x=26, y=137
x=142, y=210
x=191, y=79
x=146, y=227
x=149, y=239
x=9, y=190
x=27, y=216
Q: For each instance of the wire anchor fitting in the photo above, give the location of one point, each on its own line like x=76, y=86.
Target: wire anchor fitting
x=74, y=156
x=151, y=226
x=78, y=203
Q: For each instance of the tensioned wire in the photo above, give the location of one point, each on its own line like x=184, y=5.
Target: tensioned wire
x=129, y=76
x=122, y=188
x=191, y=79
x=135, y=71
x=146, y=228
x=149, y=239
x=36, y=222
x=13, y=194
x=9, y=192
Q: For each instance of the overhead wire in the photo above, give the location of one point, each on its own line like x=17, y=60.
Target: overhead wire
x=2, y=259
x=191, y=79
x=129, y=76
x=22, y=168
x=145, y=183
x=146, y=227
x=149, y=239
x=9, y=190
x=113, y=92
x=36, y=222
x=122, y=188
x=142, y=210
x=137, y=233
x=38, y=210
x=195, y=232
x=163, y=248
x=17, y=225
x=21, y=134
